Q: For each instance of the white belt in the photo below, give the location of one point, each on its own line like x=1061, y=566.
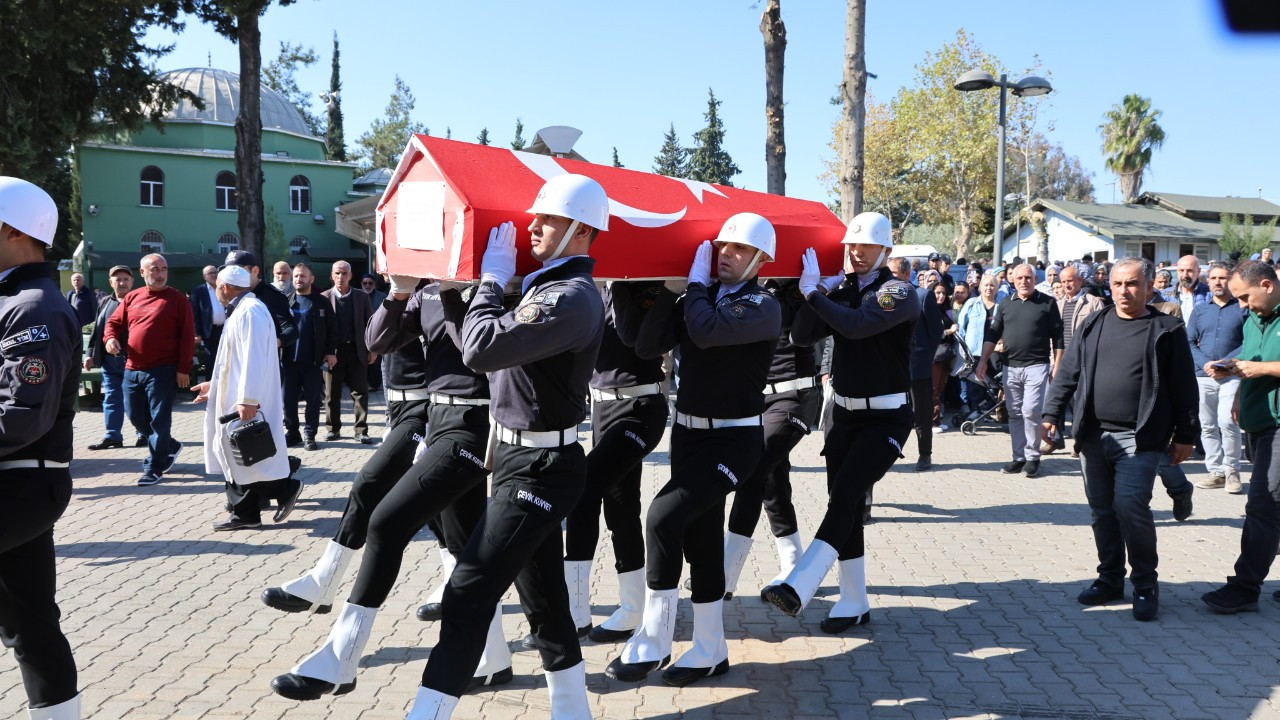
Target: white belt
x=538, y=439
x=394, y=395
x=693, y=422
x=891, y=401
x=634, y=391
x=24, y=464
x=803, y=383
x=442, y=399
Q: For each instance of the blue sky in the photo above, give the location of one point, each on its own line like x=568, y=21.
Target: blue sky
x=622, y=72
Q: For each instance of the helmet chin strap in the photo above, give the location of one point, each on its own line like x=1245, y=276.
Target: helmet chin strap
x=750, y=269
x=564, y=241
x=884, y=252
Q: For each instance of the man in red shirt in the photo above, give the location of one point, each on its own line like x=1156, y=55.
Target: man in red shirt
x=155, y=323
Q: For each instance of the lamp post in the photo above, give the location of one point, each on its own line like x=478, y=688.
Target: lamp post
x=1028, y=86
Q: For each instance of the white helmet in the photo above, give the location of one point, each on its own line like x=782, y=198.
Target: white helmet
x=576, y=197
x=751, y=230
x=869, y=228
x=25, y=207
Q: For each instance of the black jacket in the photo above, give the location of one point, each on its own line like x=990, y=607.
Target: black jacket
x=1168, y=406
x=324, y=325
x=278, y=304
x=97, y=349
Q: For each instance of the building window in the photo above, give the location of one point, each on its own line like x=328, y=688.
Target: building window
x=225, y=191
x=227, y=242
x=298, y=244
x=299, y=194
x=151, y=186
x=152, y=242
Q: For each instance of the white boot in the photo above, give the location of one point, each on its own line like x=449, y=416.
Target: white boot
x=853, y=589
x=447, y=563
x=496, y=656
x=789, y=551
x=432, y=705
x=69, y=710
x=652, y=639
x=321, y=584
x=568, y=690
x=630, y=602
x=804, y=579
x=736, y=549
x=577, y=578
x=709, y=648
x=335, y=662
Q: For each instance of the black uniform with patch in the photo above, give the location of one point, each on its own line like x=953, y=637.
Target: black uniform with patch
x=872, y=326
x=40, y=350
x=539, y=357
x=726, y=345
x=624, y=431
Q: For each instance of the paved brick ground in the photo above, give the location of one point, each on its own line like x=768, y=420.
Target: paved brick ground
x=973, y=577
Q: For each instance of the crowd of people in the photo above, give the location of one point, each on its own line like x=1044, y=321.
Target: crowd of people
x=495, y=377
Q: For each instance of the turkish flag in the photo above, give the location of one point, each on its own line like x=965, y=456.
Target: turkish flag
x=445, y=196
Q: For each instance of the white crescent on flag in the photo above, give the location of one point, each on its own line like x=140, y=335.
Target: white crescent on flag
x=546, y=168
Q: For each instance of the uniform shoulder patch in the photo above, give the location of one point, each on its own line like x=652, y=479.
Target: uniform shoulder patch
x=899, y=290
x=753, y=298
x=33, y=371
x=527, y=313
x=546, y=298
x=886, y=301
x=34, y=334
x=737, y=310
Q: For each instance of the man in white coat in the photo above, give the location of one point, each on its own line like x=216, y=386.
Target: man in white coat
x=246, y=381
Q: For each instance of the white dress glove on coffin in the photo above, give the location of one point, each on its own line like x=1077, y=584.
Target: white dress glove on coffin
x=499, y=263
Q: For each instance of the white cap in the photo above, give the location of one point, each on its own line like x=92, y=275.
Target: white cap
x=869, y=228
x=576, y=197
x=751, y=230
x=235, y=276
x=27, y=208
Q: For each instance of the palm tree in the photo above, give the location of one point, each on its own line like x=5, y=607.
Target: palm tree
x=1128, y=137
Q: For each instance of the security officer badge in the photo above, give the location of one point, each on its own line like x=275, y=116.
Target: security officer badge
x=888, y=297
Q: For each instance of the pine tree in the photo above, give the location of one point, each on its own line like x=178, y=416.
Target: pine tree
x=387, y=137
x=672, y=160
x=334, y=142
x=708, y=161
x=483, y=138
x=448, y=133
x=518, y=143
x=616, y=161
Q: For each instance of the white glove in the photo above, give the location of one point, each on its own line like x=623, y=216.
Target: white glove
x=810, y=276
x=420, y=450
x=832, y=282
x=403, y=284
x=499, y=263
x=700, y=271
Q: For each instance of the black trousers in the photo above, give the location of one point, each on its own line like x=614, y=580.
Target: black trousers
x=351, y=371
x=624, y=432
x=392, y=459
x=451, y=472
x=787, y=419
x=1261, y=534
x=245, y=499
x=518, y=539
x=686, y=519
x=860, y=447
x=32, y=501
x=922, y=407
x=302, y=381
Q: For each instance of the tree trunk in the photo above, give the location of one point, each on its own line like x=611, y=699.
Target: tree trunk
x=249, y=136
x=1131, y=185
x=966, y=234
x=775, y=47
x=853, y=90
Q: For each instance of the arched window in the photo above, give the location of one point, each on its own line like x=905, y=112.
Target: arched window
x=228, y=242
x=298, y=245
x=152, y=242
x=151, y=186
x=299, y=194
x=225, y=191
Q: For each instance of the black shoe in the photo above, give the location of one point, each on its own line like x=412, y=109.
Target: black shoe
x=280, y=599
x=286, y=506
x=292, y=439
x=1100, y=593
x=688, y=585
x=1013, y=468
x=140, y=442
x=298, y=687
x=1032, y=468
x=633, y=672
x=364, y=439
x=148, y=478
x=429, y=612
x=235, y=523
x=837, y=625
x=1182, y=504
x=332, y=436
x=682, y=676
x=1146, y=603
x=170, y=459
x=924, y=463
x=783, y=597
x=107, y=445
x=601, y=634
x=528, y=644
x=502, y=677
x=1231, y=599
x=309, y=443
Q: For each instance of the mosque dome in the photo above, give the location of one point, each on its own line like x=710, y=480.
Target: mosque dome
x=220, y=91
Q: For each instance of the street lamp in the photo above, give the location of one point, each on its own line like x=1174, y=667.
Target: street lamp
x=1028, y=86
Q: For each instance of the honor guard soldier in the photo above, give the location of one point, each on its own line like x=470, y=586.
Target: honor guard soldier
x=40, y=352
x=628, y=417
x=444, y=485
x=725, y=332
x=539, y=358
x=871, y=317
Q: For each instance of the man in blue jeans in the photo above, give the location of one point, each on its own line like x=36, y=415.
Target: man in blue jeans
x=113, y=411
x=1130, y=379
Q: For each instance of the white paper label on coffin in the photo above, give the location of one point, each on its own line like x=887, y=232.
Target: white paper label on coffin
x=420, y=216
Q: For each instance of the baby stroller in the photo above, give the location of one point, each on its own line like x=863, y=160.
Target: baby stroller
x=984, y=408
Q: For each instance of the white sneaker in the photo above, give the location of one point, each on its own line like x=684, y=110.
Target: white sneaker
x=1232, y=482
